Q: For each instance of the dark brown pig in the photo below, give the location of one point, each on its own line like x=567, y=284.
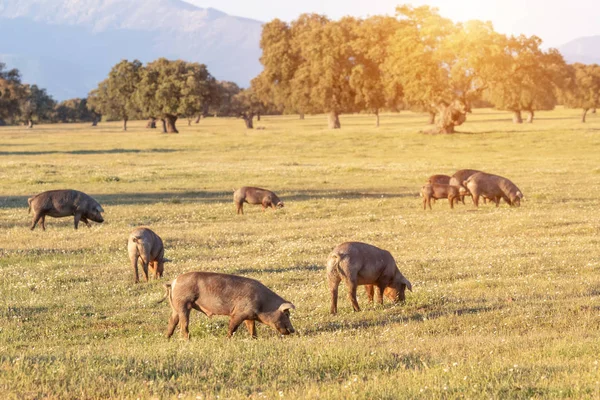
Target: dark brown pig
x=443, y=179
x=254, y=195
x=439, y=191
x=493, y=187
x=363, y=264
x=148, y=247
x=64, y=203
x=243, y=299
x=459, y=177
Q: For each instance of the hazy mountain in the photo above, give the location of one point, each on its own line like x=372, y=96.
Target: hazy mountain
x=68, y=46
x=584, y=50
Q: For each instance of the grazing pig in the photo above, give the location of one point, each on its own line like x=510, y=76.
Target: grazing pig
x=443, y=179
x=459, y=177
x=439, y=191
x=493, y=187
x=63, y=203
x=254, y=195
x=148, y=247
x=243, y=299
x=363, y=264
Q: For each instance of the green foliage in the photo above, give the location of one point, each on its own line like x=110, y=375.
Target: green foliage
x=114, y=97
x=170, y=89
x=529, y=78
x=73, y=110
x=36, y=104
x=583, y=88
x=11, y=91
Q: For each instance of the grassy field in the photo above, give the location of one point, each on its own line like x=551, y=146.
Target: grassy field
x=506, y=301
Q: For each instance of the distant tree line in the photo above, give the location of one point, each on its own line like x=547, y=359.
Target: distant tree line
x=417, y=60
x=165, y=91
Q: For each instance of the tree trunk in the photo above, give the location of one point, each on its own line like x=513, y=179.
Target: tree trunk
x=258, y=116
x=302, y=116
x=170, y=122
x=189, y=122
x=125, y=124
x=376, y=118
x=517, y=118
x=164, y=125
x=585, y=110
x=248, y=120
x=530, y=117
x=334, y=120
x=198, y=118
x=95, y=121
x=151, y=123
x=30, y=123
x=432, y=117
x=593, y=111
x=451, y=115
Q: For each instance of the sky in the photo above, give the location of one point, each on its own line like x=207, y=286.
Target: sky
x=556, y=22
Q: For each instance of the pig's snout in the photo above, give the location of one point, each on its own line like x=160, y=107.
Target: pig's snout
x=280, y=205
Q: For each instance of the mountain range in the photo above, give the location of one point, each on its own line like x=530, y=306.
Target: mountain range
x=68, y=46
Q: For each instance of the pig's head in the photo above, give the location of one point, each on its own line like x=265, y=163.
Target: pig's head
x=515, y=199
x=280, y=319
x=276, y=202
x=463, y=191
x=395, y=291
x=95, y=213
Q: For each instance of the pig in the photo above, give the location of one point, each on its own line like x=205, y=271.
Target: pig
x=148, y=247
x=439, y=191
x=242, y=299
x=254, y=195
x=459, y=177
x=443, y=179
x=63, y=203
x=364, y=264
x=493, y=187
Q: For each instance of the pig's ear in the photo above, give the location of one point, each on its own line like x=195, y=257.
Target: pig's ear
x=406, y=282
x=100, y=209
x=286, y=306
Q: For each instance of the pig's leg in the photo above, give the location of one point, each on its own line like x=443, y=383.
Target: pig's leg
x=476, y=199
x=424, y=203
x=380, y=290
x=251, y=326
x=451, y=200
x=184, y=317
x=43, y=222
x=234, y=322
x=173, y=321
x=145, y=268
x=334, y=282
x=370, y=292
x=36, y=218
x=86, y=222
x=77, y=218
x=134, y=261
x=429, y=202
x=240, y=207
x=352, y=286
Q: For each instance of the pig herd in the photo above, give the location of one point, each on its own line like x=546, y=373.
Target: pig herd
x=470, y=182
x=247, y=300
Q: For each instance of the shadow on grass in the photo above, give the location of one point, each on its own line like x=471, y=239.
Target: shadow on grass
x=209, y=197
x=85, y=152
x=295, y=268
x=332, y=326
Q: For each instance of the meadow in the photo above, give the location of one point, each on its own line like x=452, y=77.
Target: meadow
x=505, y=301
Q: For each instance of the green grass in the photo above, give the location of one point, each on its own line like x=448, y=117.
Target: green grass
x=506, y=302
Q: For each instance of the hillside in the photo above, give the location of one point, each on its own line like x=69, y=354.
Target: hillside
x=584, y=50
x=69, y=52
